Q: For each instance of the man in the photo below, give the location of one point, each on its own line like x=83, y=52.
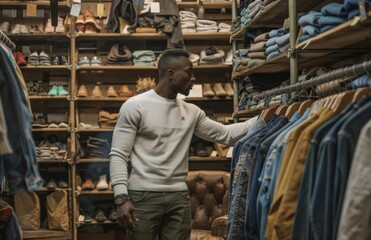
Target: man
x=154, y=131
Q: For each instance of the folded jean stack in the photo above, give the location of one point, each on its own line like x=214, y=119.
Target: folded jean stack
x=257, y=52
x=315, y=23
x=107, y=120
x=188, y=21
x=224, y=27
x=278, y=43
x=144, y=58
x=119, y=55
x=46, y=150
x=98, y=148
x=206, y=26
x=240, y=59
x=212, y=55
x=352, y=7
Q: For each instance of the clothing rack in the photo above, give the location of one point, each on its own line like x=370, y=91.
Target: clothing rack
x=356, y=70
x=4, y=38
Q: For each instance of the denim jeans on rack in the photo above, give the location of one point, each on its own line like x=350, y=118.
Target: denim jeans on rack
x=363, y=81
x=236, y=223
x=251, y=220
x=266, y=176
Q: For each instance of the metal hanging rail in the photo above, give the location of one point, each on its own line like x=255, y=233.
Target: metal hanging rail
x=356, y=70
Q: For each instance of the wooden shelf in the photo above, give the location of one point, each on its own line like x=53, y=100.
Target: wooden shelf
x=94, y=222
x=96, y=192
x=46, y=68
x=278, y=64
x=47, y=98
x=204, y=99
x=49, y=129
x=103, y=99
x=151, y=68
x=23, y=4
x=201, y=159
x=38, y=37
x=52, y=161
x=95, y=130
x=91, y=160
x=51, y=190
x=151, y=36
x=47, y=234
x=223, y=4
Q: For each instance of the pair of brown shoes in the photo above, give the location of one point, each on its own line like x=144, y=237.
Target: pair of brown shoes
x=96, y=92
x=218, y=90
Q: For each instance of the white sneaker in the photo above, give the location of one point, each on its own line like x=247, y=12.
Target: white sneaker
x=228, y=59
x=102, y=183
x=24, y=29
x=16, y=29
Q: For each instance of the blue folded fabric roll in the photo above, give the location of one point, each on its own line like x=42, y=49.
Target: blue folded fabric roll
x=334, y=9
x=311, y=30
x=271, y=49
x=273, y=54
x=271, y=42
x=304, y=37
x=328, y=27
x=352, y=4
x=283, y=40
x=277, y=32
x=331, y=20
x=310, y=19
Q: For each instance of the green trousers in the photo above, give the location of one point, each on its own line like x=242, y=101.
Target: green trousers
x=166, y=215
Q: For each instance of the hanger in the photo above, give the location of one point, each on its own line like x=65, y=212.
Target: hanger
x=282, y=110
x=304, y=105
x=360, y=93
x=268, y=113
x=292, y=109
x=343, y=100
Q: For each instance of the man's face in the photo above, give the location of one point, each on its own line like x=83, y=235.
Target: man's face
x=183, y=77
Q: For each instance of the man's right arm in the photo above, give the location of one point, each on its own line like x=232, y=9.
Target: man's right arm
x=122, y=144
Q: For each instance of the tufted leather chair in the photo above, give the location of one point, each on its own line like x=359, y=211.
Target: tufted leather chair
x=208, y=192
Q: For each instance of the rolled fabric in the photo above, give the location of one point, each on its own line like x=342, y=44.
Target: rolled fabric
x=331, y=20
x=257, y=55
x=273, y=54
x=271, y=42
x=310, y=19
x=206, y=23
x=262, y=37
x=271, y=49
x=334, y=9
x=283, y=40
x=311, y=30
x=256, y=47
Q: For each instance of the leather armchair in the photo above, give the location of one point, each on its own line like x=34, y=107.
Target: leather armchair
x=208, y=191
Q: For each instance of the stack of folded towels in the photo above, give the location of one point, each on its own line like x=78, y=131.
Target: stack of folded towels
x=206, y=26
x=188, y=21
x=224, y=27
x=278, y=43
x=212, y=55
x=144, y=58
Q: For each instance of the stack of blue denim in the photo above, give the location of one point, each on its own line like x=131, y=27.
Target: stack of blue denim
x=333, y=14
x=277, y=43
x=245, y=17
x=255, y=8
x=310, y=24
x=98, y=148
x=144, y=58
x=352, y=7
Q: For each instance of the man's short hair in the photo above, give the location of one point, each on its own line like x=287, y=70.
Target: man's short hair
x=168, y=56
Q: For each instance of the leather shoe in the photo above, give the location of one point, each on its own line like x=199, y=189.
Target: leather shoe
x=111, y=92
x=207, y=91
x=124, y=91
x=219, y=90
x=82, y=92
x=88, y=185
x=97, y=92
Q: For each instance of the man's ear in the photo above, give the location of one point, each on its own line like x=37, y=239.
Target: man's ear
x=171, y=73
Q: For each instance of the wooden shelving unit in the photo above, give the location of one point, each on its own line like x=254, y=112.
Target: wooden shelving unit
x=46, y=234
x=50, y=129
x=48, y=98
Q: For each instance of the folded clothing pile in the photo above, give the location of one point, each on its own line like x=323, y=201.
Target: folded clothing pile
x=315, y=23
x=212, y=55
x=278, y=43
x=352, y=7
x=224, y=27
x=188, y=21
x=107, y=120
x=119, y=55
x=206, y=26
x=98, y=148
x=144, y=58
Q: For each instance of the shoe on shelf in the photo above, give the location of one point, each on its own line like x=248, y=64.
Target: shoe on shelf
x=84, y=61
x=90, y=20
x=35, y=29
x=219, y=90
x=88, y=126
x=62, y=91
x=21, y=61
x=228, y=89
x=99, y=215
x=80, y=24
x=48, y=27
x=87, y=218
x=53, y=91
x=24, y=29
x=33, y=90
x=53, y=124
x=201, y=150
x=124, y=91
x=60, y=27
x=96, y=61
x=63, y=125
x=62, y=184
x=111, y=92
x=88, y=185
x=39, y=122
x=102, y=183
x=90, y=29
x=207, y=91
x=51, y=184
x=16, y=29
x=97, y=93
x=112, y=215
x=82, y=91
